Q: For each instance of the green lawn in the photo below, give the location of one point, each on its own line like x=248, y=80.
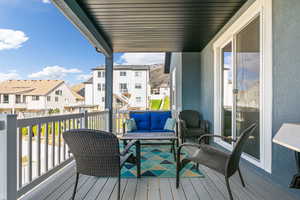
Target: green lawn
x=166, y=105
x=155, y=104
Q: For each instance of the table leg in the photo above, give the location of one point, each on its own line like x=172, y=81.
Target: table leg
x=174, y=149
x=295, y=183
x=297, y=157
x=138, y=158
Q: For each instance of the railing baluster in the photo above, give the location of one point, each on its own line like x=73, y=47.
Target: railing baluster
x=38, y=132
x=46, y=146
x=64, y=147
x=29, y=153
x=53, y=144
x=59, y=142
x=20, y=146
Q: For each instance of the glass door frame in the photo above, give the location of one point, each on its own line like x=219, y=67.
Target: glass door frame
x=262, y=8
x=227, y=145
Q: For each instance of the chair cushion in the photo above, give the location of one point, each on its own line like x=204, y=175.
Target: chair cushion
x=170, y=124
x=211, y=157
x=158, y=119
x=142, y=120
x=194, y=132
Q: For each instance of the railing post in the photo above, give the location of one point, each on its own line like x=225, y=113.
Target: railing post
x=8, y=156
x=85, y=120
x=107, y=122
x=109, y=65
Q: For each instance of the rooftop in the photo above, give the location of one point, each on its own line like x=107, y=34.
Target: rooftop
x=126, y=67
x=29, y=87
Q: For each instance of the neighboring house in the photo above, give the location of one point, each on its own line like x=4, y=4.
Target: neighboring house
x=164, y=89
x=131, y=87
x=79, y=89
x=32, y=97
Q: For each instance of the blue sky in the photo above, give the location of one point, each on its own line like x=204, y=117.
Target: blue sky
x=38, y=42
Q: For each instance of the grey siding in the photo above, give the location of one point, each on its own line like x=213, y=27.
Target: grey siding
x=286, y=80
x=190, y=81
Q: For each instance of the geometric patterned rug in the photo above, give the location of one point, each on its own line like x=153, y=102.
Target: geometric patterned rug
x=158, y=161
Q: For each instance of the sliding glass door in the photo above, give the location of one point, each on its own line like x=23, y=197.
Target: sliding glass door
x=248, y=84
x=240, y=104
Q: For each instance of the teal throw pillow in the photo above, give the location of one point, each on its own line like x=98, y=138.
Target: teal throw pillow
x=130, y=125
x=170, y=124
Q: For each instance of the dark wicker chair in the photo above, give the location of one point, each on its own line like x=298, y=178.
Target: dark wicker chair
x=191, y=125
x=220, y=161
x=97, y=154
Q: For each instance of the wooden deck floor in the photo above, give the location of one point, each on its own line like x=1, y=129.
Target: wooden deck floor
x=212, y=187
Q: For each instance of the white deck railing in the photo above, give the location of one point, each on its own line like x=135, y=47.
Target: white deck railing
x=119, y=117
x=38, y=145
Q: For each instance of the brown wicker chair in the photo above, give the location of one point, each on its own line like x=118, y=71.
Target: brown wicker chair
x=220, y=161
x=97, y=154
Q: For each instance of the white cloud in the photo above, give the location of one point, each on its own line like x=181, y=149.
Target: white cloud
x=54, y=73
x=83, y=77
x=11, y=39
x=12, y=75
x=46, y=1
x=142, y=58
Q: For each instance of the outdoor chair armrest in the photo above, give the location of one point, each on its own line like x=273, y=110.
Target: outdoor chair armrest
x=184, y=145
x=218, y=136
x=128, y=146
x=182, y=124
x=204, y=125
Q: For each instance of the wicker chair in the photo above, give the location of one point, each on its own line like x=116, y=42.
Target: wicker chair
x=191, y=125
x=97, y=154
x=220, y=161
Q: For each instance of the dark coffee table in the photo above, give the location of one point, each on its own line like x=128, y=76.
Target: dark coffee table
x=151, y=138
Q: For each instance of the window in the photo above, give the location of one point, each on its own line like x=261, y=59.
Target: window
x=138, y=74
x=101, y=74
x=123, y=87
x=5, y=98
x=24, y=99
x=99, y=86
x=18, y=99
x=35, y=98
x=58, y=92
x=138, y=86
x=48, y=98
x=103, y=86
x=103, y=99
x=56, y=99
x=122, y=73
x=138, y=99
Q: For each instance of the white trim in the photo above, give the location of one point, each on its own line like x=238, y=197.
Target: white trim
x=263, y=8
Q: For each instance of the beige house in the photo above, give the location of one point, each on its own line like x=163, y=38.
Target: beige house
x=36, y=97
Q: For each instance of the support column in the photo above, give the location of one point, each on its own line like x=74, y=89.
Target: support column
x=109, y=62
x=8, y=156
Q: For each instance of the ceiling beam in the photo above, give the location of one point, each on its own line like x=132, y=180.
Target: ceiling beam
x=167, y=62
x=78, y=17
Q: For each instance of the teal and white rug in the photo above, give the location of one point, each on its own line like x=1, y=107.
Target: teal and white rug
x=158, y=161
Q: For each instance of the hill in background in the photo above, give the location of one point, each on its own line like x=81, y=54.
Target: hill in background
x=158, y=77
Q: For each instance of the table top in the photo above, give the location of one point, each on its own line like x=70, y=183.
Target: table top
x=149, y=136
x=288, y=136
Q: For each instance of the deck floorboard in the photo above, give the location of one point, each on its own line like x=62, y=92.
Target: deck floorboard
x=211, y=187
